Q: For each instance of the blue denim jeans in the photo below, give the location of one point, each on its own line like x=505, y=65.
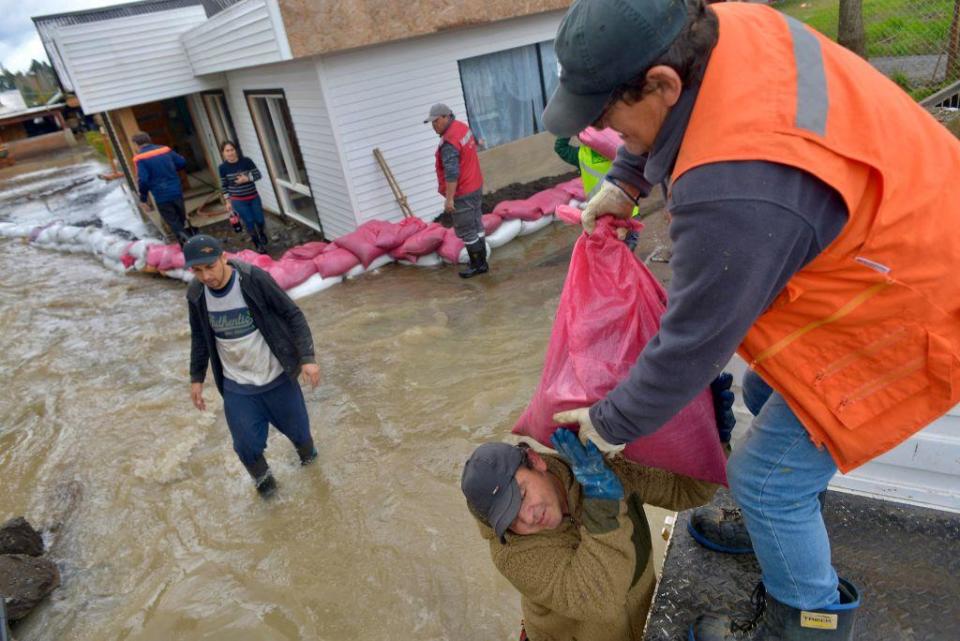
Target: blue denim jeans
x=249, y=417
x=250, y=212
x=776, y=475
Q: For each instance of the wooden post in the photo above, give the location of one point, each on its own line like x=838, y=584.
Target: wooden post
x=394, y=185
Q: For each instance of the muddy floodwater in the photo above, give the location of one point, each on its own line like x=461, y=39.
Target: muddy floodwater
x=153, y=522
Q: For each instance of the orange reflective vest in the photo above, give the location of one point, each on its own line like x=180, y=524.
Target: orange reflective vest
x=470, y=180
x=159, y=151
x=863, y=342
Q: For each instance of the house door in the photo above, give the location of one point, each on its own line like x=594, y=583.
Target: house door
x=215, y=104
x=271, y=117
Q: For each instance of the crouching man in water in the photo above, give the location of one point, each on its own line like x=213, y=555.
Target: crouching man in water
x=258, y=342
x=568, y=530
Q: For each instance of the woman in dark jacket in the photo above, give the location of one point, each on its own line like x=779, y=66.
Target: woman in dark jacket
x=238, y=175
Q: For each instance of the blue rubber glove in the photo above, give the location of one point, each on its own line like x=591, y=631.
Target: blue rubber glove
x=723, y=405
x=590, y=470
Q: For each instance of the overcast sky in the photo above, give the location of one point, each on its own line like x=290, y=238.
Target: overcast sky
x=19, y=42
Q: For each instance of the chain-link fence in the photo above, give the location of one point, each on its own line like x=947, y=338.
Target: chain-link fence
x=915, y=42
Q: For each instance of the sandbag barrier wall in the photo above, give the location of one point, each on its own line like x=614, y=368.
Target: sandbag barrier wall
x=316, y=266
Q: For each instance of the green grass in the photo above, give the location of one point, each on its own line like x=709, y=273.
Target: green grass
x=893, y=27
x=95, y=140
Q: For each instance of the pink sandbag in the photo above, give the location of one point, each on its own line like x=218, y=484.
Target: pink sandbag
x=610, y=307
x=395, y=235
x=290, y=272
x=549, y=199
x=165, y=257
x=518, y=210
x=253, y=258
x=362, y=242
x=451, y=247
x=604, y=141
x=335, y=261
x=306, y=251
x=569, y=215
x=574, y=189
x=490, y=223
x=421, y=243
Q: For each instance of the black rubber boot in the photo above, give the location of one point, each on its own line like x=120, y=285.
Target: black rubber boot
x=774, y=621
x=478, y=259
x=260, y=240
x=722, y=529
x=262, y=477
x=307, y=452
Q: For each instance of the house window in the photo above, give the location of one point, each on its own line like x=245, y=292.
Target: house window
x=506, y=91
x=271, y=117
x=215, y=104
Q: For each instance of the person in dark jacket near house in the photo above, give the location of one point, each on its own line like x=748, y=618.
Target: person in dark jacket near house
x=238, y=175
x=258, y=342
x=157, y=168
x=460, y=182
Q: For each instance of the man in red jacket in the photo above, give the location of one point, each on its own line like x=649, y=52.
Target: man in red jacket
x=460, y=182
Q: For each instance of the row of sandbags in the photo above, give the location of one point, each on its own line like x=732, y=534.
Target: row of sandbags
x=315, y=266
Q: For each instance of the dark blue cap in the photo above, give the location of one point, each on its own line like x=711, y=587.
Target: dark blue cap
x=201, y=250
x=602, y=44
x=490, y=487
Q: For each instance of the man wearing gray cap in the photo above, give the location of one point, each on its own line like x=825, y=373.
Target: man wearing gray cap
x=805, y=236
x=460, y=183
x=257, y=342
x=568, y=530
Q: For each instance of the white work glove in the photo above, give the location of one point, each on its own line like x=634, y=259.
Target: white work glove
x=609, y=200
x=587, y=431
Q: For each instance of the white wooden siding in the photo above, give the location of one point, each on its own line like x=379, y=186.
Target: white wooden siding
x=300, y=83
x=243, y=35
x=134, y=60
x=379, y=97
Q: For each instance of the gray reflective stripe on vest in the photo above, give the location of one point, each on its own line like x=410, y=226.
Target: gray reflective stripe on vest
x=466, y=138
x=812, y=101
x=599, y=175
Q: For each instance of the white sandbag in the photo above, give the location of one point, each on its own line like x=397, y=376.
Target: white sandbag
x=49, y=234
x=113, y=265
x=465, y=255
x=379, y=262
x=116, y=248
x=312, y=285
x=531, y=226
x=179, y=274
x=354, y=271
x=427, y=260
x=67, y=234
x=507, y=231
x=15, y=230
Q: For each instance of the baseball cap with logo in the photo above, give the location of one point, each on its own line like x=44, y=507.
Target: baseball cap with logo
x=490, y=487
x=201, y=250
x=437, y=111
x=602, y=44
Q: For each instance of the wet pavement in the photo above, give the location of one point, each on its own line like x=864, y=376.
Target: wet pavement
x=156, y=528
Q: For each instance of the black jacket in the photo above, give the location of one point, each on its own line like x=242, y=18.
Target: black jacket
x=278, y=318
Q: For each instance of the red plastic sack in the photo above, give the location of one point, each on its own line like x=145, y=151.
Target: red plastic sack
x=548, y=200
x=421, y=243
x=335, y=261
x=518, y=210
x=451, y=247
x=574, y=189
x=253, y=258
x=491, y=222
x=395, y=235
x=306, y=251
x=569, y=215
x=362, y=242
x=610, y=307
x=290, y=272
x=165, y=257
x=604, y=141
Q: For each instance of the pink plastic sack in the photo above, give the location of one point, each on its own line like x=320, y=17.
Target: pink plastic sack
x=165, y=257
x=305, y=251
x=548, y=200
x=290, y=272
x=451, y=247
x=490, y=223
x=573, y=188
x=610, y=307
x=253, y=258
x=518, y=210
x=362, y=242
x=604, y=141
x=421, y=243
x=569, y=215
x=335, y=261
x=395, y=235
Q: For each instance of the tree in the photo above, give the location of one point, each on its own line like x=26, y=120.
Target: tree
x=850, y=32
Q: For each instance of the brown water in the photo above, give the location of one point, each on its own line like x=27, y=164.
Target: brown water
x=157, y=529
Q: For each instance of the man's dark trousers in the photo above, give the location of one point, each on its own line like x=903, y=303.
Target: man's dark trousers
x=250, y=415
x=174, y=214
